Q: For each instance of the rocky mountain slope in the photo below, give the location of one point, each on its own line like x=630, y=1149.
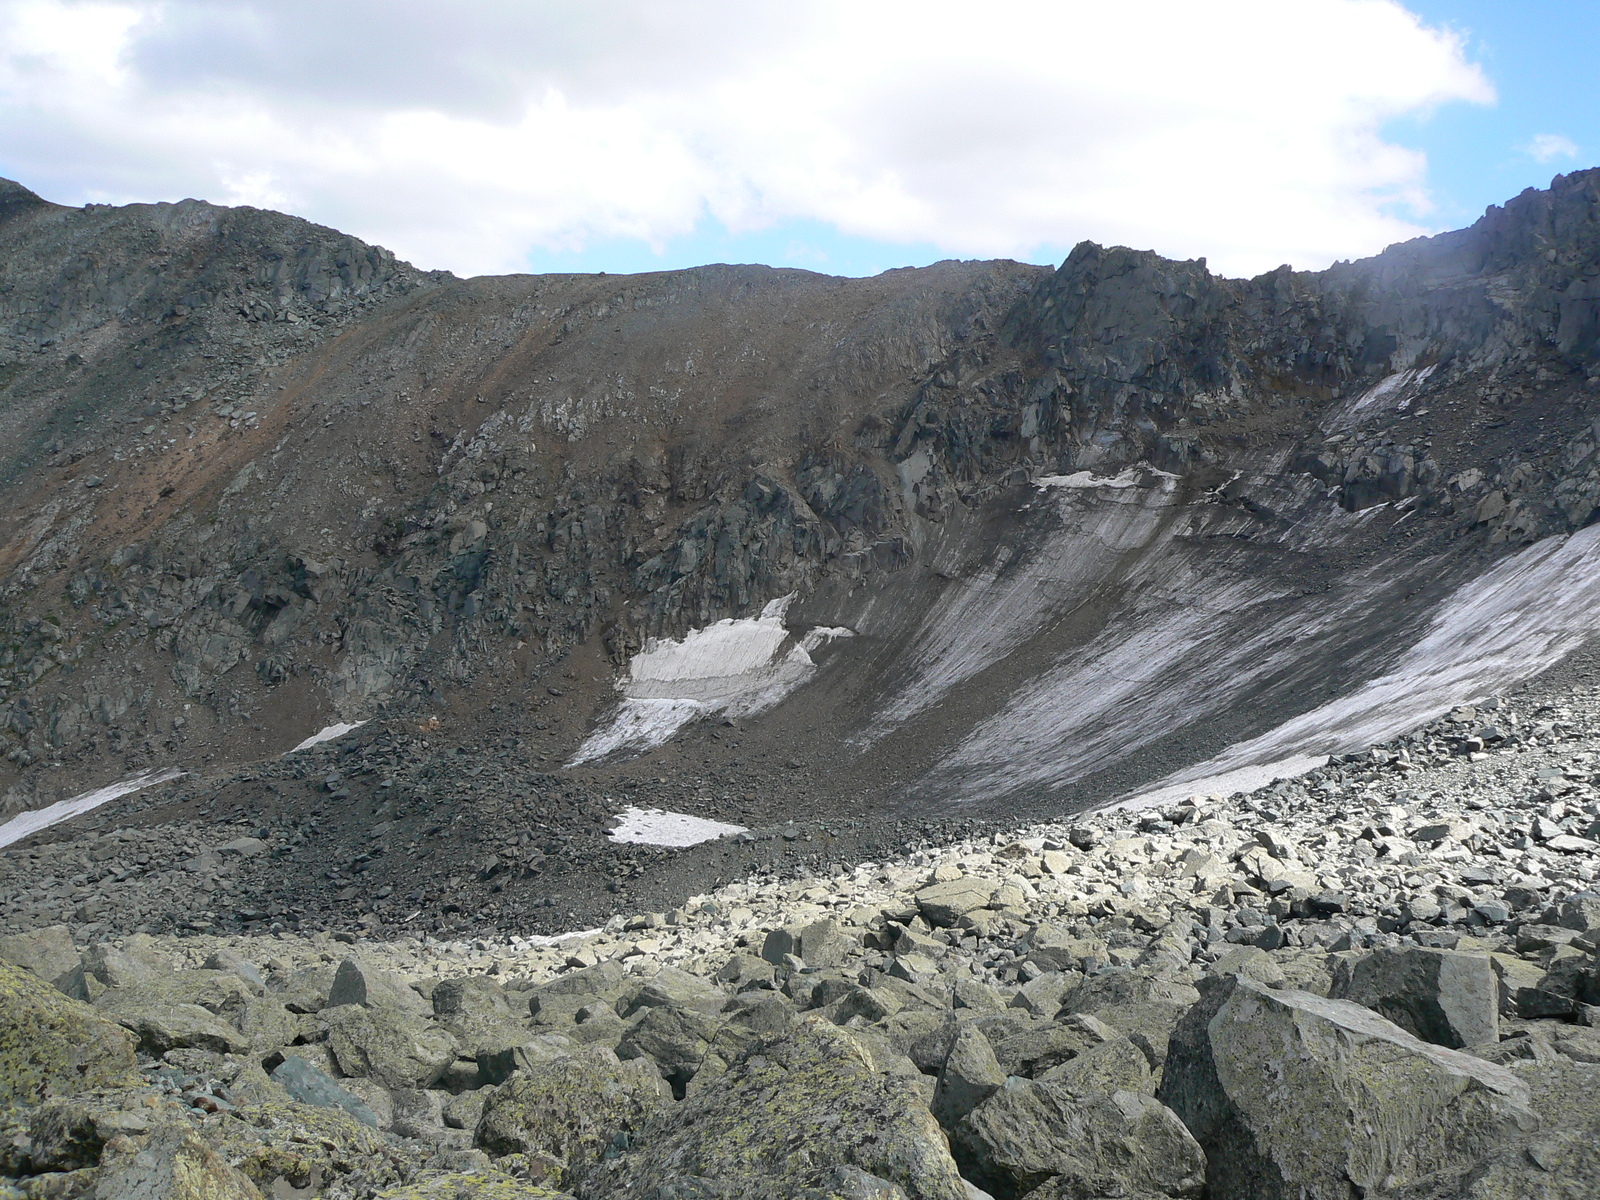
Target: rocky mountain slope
x=1049, y=536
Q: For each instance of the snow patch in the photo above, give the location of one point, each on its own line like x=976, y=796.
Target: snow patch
x=1136, y=476
x=551, y=939
x=639, y=725
x=738, y=667
x=28, y=823
x=326, y=734
x=1245, y=779
x=1395, y=391
x=656, y=827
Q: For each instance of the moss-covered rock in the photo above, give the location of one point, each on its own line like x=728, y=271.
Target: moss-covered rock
x=1033, y=1134
x=571, y=1110
x=1297, y=1097
x=68, y=1133
x=473, y=1185
x=307, y=1147
x=785, y=1120
x=160, y=1027
x=173, y=1163
x=52, y=1045
x=395, y=1047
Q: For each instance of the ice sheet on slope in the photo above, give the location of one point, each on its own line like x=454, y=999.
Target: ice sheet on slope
x=738, y=666
x=980, y=620
x=1514, y=621
x=25, y=824
x=657, y=827
x=1195, y=630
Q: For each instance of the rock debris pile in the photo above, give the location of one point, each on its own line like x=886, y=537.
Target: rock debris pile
x=1378, y=979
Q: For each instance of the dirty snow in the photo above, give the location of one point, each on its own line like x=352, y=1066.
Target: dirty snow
x=656, y=827
x=25, y=824
x=325, y=734
x=737, y=667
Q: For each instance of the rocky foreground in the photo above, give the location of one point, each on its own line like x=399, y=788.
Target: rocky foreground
x=1377, y=980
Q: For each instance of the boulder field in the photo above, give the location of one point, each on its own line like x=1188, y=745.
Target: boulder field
x=1376, y=980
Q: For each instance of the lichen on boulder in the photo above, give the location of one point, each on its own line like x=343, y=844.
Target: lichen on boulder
x=53, y=1045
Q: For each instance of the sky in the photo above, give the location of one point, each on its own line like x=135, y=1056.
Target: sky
x=845, y=136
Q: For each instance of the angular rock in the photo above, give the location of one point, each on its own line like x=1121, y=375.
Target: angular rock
x=673, y=988
x=788, y=1117
x=675, y=1039
x=1114, y=1065
x=477, y=995
x=227, y=960
x=308, y=1085
x=359, y=982
x=497, y=1066
x=1030, y=1135
x=119, y=968
x=1441, y=996
x=173, y=1163
x=1297, y=1097
x=266, y=1024
x=943, y=904
x=474, y=1185
x=1043, y=1045
x=398, y=1049
x=571, y=1111
x=49, y=954
x=160, y=1027
x=970, y=1076
x=824, y=944
x=53, y=1045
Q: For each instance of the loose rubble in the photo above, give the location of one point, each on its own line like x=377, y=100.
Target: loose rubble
x=1380, y=975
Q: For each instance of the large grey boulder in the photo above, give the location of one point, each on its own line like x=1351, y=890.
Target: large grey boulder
x=173, y=1163
x=398, y=1049
x=1298, y=1097
x=568, y=1112
x=970, y=1076
x=308, y=1085
x=49, y=954
x=120, y=968
x=674, y=1039
x=1441, y=996
x=787, y=1118
x=1112, y=1066
x=944, y=904
x=160, y=1027
x=53, y=1045
x=359, y=982
x=1031, y=1134
x=497, y=1066
x=672, y=988
x=470, y=995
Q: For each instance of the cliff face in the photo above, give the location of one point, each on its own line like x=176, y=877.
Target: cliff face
x=1088, y=526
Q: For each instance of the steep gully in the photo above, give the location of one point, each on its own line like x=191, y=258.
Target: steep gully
x=1124, y=529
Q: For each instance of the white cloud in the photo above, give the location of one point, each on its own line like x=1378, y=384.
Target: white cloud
x=1547, y=147
x=1249, y=131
